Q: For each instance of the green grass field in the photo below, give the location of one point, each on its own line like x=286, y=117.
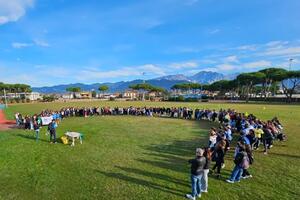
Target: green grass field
x=125, y=157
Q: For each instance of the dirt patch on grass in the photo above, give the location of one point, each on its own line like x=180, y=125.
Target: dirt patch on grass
x=4, y=123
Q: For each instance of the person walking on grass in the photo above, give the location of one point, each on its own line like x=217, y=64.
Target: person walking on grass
x=204, y=180
x=52, y=128
x=241, y=161
x=197, y=168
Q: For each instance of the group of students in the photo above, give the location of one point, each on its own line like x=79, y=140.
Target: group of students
x=250, y=133
x=35, y=123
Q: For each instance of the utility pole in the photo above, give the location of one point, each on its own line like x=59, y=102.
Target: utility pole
x=5, y=99
x=144, y=81
x=290, y=63
x=290, y=67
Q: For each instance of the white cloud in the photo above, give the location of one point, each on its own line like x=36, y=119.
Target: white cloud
x=12, y=10
x=148, y=69
x=276, y=43
x=244, y=66
x=184, y=65
x=283, y=51
x=231, y=59
x=226, y=67
x=41, y=43
x=214, y=31
x=19, y=45
x=252, y=47
x=257, y=64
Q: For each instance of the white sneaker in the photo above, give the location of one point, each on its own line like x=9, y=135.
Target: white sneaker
x=199, y=196
x=189, y=196
x=229, y=181
x=204, y=191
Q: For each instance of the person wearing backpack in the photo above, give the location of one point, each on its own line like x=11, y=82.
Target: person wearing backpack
x=197, y=168
x=241, y=162
x=246, y=174
x=218, y=156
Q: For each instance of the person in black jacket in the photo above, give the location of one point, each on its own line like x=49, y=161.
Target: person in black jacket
x=218, y=156
x=197, y=167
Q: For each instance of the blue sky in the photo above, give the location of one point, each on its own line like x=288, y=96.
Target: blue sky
x=49, y=42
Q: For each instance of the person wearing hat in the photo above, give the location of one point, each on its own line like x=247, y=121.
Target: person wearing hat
x=197, y=168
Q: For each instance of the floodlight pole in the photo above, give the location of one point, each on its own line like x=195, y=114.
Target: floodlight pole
x=144, y=81
x=290, y=67
x=5, y=99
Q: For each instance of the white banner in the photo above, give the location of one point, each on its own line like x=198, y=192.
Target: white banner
x=46, y=120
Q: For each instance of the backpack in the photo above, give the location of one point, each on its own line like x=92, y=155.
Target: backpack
x=245, y=162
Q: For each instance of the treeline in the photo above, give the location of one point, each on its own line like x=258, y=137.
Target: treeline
x=15, y=88
x=262, y=82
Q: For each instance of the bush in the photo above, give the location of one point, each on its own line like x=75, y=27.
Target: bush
x=112, y=98
x=48, y=98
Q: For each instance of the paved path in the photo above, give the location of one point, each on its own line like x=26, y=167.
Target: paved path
x=4, y=123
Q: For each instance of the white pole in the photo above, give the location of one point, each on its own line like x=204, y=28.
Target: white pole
x=5, y=98
x=290, y=67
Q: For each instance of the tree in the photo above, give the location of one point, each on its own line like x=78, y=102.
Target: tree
x=187, y=87
x=103, y=89
x=145, y=87
x=290, y=81
x=272, y=76
x=74, y=90
x=248, y=80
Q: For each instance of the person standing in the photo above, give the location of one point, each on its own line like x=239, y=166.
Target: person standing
x=197, y=167
x=52, y=129
x=36, y=128
x=204, y=180
x=218, y=156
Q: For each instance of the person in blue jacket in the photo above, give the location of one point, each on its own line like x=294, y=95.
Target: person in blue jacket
x=52, y=129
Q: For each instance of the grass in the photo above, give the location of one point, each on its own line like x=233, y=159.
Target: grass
x=125, y=157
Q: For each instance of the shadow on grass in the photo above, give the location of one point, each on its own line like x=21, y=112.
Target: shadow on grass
x=32, y=137
x=171, y=157
x=144, y=183
x=162, y=177
x=284, y=155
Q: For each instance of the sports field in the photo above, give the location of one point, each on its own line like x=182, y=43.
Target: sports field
x=126, y=157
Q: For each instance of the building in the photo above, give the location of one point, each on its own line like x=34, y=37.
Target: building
x=67, y=96
x=32, y=96
x=130, y=94
x=85, y=95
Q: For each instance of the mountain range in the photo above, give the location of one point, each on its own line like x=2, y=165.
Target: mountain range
x=203, y=77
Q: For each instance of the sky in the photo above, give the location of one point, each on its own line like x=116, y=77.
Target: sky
x=50, y=42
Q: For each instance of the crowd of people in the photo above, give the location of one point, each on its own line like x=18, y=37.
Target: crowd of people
x=247, y=130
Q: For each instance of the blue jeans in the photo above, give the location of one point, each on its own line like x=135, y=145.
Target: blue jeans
x=196, y=184
x=236, y=173
x=37, y=134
